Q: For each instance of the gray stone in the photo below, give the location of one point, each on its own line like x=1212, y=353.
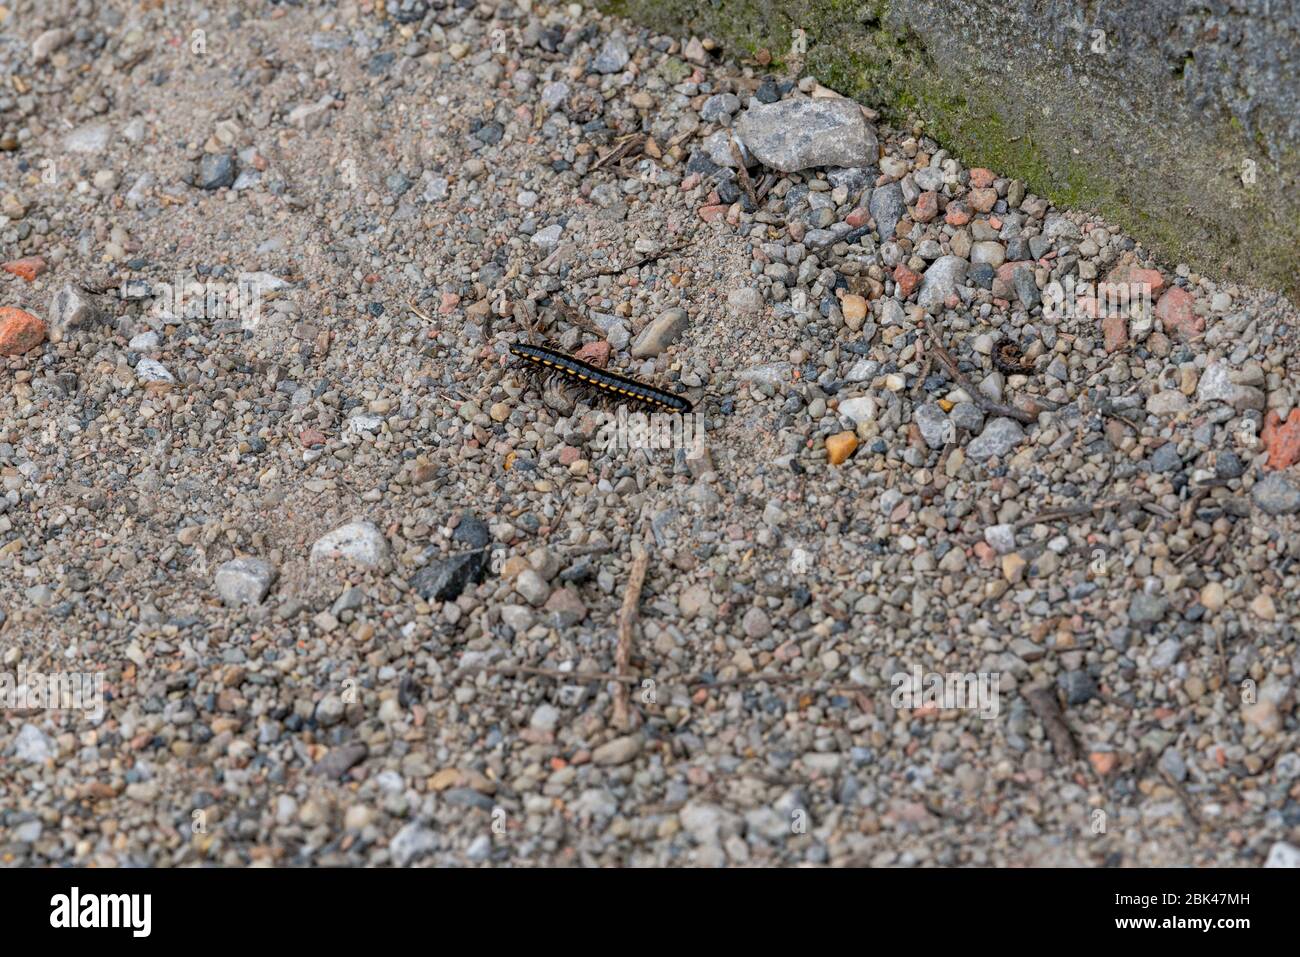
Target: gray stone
x=717, y=147
x=859, y=409
x=329, y=711
x=1216, y=384
x=359, y=542
x=1001, y=538
x=799, y=133
x=619, y=751
x=968, y=416
x=48, y=42
x=929, y=178
x=1228, y=465
x=933, y=424
x=310, y=116
x=887, y=207
x=1165, y=459
x=532, y=587
x=1282, y=854
x=1079, y=687
x=479, y=850
x=33, y=745
x=660, y=334
x=555, y=95
x=151, y=370
x=988, y=251
x=744, y=301
x=28, y=832
x=1173, y=763
x=1144, y=609
x=1026, y=287
x=545, y=718
x=1276, y=495
x=770, y=374
x=1058, y=226
x=706, y=823
x=613, y=56
x=244, y=581
x=91, y=138
x=945, y=275
x=71, y=308
x=718, y=106
x=864, y=370
x=445, y=579
x=1166, y=652
x=999, y=437
x=411, y=843
x=549, y=237
x=471, y=531
x=216, y=170
x=340, y=760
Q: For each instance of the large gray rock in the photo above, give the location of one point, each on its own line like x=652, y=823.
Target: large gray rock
x=933, y=424
x=945, y=275
x=886, y=206
x=91, y=138
x=1275, y=495
x=244, y=581
x=359, y=542
x=71, y=308
x=1145, y=610
x=32, y=745
x=216, y=170
x=613, y=56
x=411, y=843
x=445, y=579
x=999, y=437
x=797, y=133
x=660, y=334
x=1216, y=384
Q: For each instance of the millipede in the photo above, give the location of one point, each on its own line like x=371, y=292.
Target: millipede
x=596, y=381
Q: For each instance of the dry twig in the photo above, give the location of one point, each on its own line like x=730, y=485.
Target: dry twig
x=1042, y=699
x=643, y=261
x=627, y=618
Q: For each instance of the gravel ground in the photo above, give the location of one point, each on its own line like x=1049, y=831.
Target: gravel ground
x=310, y=546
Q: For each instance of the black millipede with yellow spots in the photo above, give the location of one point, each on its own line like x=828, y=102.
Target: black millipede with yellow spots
x=619, y=388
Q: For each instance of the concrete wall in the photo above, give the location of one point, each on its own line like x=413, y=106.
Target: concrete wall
x=1148, y=111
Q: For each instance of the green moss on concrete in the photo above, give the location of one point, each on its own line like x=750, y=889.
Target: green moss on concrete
x=1199, y=212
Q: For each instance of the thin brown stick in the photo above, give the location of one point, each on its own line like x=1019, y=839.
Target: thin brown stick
x=1072, y=512
x=1042, y=699
x=627, y=619
x=643, y=261
x=635, y=141
x=1059, y=514
x=690, y=681
x=1188, y=804
x=526, y=313
x=578, y=319
x=746, y=183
